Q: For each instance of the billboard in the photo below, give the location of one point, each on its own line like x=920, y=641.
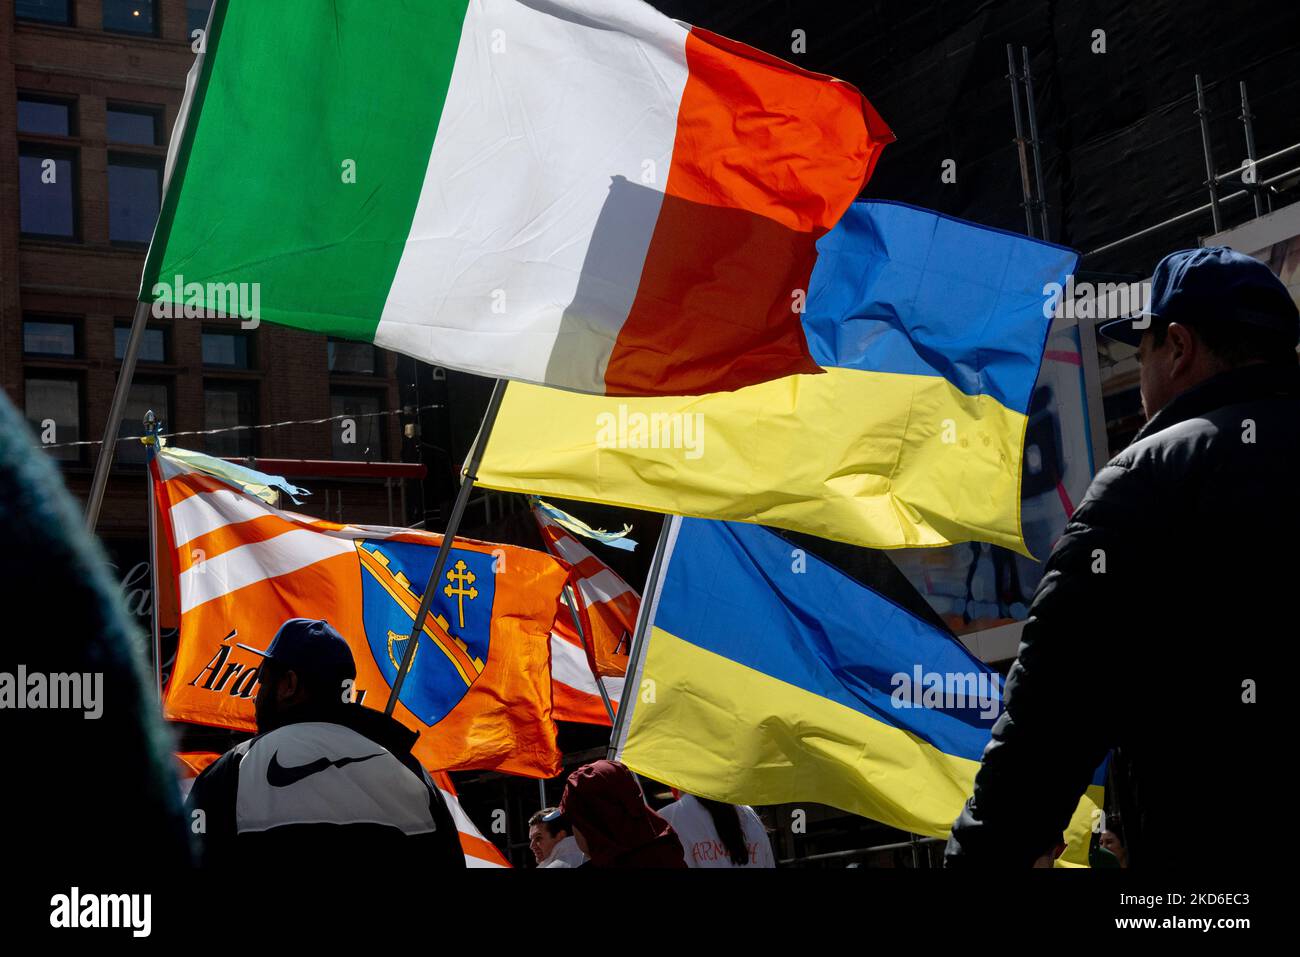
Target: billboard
x=975, y=586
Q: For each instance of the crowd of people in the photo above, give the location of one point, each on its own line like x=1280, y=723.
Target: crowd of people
x=1180, y=533
x=324, y=775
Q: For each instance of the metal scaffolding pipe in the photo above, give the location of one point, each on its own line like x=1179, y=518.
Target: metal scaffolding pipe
x=1203, y=115
x=1191, y=212
x=1027, y=201
x=1034, y=143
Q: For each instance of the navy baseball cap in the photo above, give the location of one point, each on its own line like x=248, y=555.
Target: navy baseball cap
x=1213, y=285
x=313, y=649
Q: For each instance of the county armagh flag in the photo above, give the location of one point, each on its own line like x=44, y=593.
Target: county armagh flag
x=479, y=851
x=579, y=193
x=479, y=690
x=931, y=331
x=607, y=608
x=772, y=676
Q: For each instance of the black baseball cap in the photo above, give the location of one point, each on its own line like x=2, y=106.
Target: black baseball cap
x=313, y=648
x=1196, y=287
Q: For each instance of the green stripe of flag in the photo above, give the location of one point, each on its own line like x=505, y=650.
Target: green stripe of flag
x=290, y=91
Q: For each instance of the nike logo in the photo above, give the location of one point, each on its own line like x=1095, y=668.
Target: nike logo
x=278, y=776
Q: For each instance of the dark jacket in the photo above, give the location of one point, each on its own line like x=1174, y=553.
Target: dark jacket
x=335, y=785
x=1170, y=595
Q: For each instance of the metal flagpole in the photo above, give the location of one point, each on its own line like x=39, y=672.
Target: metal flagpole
x=472, y=464
x=632, y=682
x=116, y=409
x=541, y=792
x=572, y=601
x=151, y=429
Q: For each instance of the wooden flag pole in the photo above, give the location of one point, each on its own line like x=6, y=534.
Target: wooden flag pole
x=636, y=654
x=116, y=410
x=470, y=475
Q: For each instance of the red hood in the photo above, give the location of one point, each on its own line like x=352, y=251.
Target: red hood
x=603, y=801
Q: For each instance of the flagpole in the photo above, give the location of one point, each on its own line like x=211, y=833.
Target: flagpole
x=116, y=409
x=151, y=427
x=636, y=654
x=472, y=464
x=572, y=601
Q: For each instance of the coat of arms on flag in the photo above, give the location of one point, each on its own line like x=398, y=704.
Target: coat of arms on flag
x=453, y=649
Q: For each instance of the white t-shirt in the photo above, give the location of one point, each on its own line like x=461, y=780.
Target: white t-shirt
x=691, y=820
x=565, y=853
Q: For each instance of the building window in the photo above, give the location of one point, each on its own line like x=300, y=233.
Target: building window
x=227, y=350
x=53, y=407
x=134, y=192
x=225, y=405
x=45, y=117
x=136, y=125
x=45, y=11
x=153, y=348
x=131, y=16
x=196, y=16
x=145, y=396
x=50, y=337
x=47, y=187
x=359, y=436
x=353, y=358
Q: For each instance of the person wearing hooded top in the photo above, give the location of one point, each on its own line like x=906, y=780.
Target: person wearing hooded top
x=612, y=823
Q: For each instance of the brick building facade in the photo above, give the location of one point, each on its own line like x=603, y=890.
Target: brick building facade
x=89, y=93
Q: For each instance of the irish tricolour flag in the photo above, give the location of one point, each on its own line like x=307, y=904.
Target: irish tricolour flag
x=579, y=193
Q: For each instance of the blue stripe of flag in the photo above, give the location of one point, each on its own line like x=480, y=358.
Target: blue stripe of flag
x=906, y=290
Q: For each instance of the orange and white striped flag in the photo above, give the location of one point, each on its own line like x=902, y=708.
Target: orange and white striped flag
x=608, y=607
x=479, y=690
x=479, y=851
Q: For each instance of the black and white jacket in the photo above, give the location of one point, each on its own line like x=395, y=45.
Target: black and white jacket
x=333, y=787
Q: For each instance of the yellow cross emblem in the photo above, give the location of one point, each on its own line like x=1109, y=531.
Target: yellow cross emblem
x=460, y=576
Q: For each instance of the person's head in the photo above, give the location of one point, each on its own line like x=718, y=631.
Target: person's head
x=606, y=812
x=308, y=665
x=544, y=834
x=1211, y=310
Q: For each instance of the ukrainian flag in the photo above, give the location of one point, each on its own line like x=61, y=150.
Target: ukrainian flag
x=770, y=676
x=931, y=331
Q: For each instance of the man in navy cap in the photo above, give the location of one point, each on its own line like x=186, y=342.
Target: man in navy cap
x=325, y=780
x=1155, y=624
